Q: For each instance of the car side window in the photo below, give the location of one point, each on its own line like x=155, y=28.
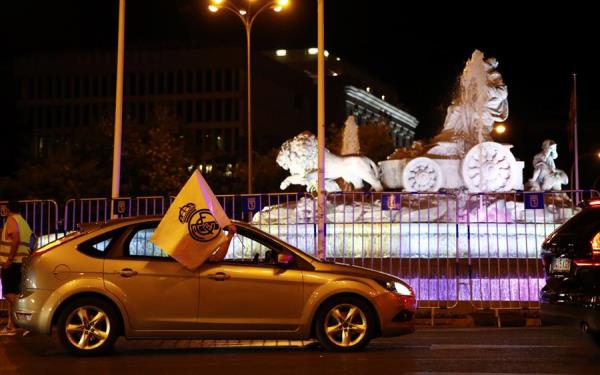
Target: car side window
x=246, y=250
x=98, y=246
x=140, y=245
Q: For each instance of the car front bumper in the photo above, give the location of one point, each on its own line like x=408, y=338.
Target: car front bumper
x=396, y=314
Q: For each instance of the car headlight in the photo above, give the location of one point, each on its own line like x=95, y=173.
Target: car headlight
x=396, y=286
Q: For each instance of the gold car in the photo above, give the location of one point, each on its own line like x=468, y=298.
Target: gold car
x=108, y=280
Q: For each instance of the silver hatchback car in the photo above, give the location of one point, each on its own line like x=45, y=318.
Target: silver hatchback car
x=108, y=280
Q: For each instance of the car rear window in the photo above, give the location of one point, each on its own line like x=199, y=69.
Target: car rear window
x=586, y=223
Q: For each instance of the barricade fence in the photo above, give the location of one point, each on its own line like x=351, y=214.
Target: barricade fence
x=450, y=247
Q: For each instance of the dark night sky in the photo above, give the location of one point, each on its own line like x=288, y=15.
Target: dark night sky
x=419, y=50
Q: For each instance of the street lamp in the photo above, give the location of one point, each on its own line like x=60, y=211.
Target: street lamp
x=500, y=128
x=247, y=15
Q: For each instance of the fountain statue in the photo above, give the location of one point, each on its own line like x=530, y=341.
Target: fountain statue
x=463, y=155
x=299, y=156
x=545, y=174
x=350, y=141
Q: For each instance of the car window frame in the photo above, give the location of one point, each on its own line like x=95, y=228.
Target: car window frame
x=279, y=246
x=85, y=246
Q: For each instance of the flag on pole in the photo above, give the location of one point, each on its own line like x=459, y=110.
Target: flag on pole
x=192, y=227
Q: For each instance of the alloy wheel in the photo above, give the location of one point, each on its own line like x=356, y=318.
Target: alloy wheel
x=87, y=327
x=346, y=325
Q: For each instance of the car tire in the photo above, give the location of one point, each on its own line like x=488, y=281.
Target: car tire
x=88, y=326
x=344, y=324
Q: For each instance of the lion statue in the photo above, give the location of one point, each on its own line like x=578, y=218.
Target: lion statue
x=299, y=156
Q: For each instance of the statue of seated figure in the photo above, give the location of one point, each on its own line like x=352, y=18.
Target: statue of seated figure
x=545, y=175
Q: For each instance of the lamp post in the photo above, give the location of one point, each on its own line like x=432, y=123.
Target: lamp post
x=116, y=174
x=247, y=15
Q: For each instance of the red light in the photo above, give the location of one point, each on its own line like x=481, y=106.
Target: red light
x=586, y=263
x=595, y=242
x=595, y=203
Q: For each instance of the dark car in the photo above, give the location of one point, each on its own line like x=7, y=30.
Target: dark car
x=571, y=258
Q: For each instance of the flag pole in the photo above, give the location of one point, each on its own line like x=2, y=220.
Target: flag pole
x=575, y=140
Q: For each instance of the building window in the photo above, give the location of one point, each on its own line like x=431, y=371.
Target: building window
x=179, y=88
x=68, y=83
x=104, y=89
x=199, y=111
x=236, y=80
x=208, y=82
x=219, y=141
x=208, y=114
x=86, y=115
x=199, y=87
x=170, y=82
x=142, y=112
x=218, y=80
x=228, y=79
x=132, y=84
x=76, y=116
x=188, y=111
x=161, y=83
x=77, y=87
x=59, y=88
x=236, y=110
x=189, y=81
x=179, y=109
x=142, y=84
x=228, y=110
x=218, y=110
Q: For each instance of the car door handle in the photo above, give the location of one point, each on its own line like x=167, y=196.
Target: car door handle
x=219, y=276
x=127, y=272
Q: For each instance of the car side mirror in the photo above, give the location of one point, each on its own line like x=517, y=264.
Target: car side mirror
x=284, y=259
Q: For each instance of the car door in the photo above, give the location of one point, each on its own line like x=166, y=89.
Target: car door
x=248, y=290
x=157, y=292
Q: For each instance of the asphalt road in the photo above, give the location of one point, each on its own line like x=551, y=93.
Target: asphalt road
x=549, y=350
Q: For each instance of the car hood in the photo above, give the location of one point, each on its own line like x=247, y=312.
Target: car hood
x=345, y=269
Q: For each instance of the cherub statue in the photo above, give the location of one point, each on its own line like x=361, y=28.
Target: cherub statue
x=545, y=175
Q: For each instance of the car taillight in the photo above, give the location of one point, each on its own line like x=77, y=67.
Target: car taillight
x=586, y=263
x=595, y=203
x=595, y=242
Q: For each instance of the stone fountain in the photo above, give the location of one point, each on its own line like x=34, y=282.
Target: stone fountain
x=464, y=155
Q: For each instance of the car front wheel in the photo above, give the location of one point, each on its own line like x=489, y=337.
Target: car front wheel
x=344, y=324
x=88, y=326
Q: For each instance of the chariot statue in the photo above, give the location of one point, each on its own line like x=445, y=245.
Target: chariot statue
x=463, y=155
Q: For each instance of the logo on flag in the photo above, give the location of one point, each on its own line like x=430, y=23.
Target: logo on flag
x=201, y=224
x=191, y=230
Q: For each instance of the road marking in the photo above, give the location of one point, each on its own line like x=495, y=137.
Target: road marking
x=467, y=346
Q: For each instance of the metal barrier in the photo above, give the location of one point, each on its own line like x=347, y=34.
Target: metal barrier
x=479, y=248
x=85, y=210
x=410, y=235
